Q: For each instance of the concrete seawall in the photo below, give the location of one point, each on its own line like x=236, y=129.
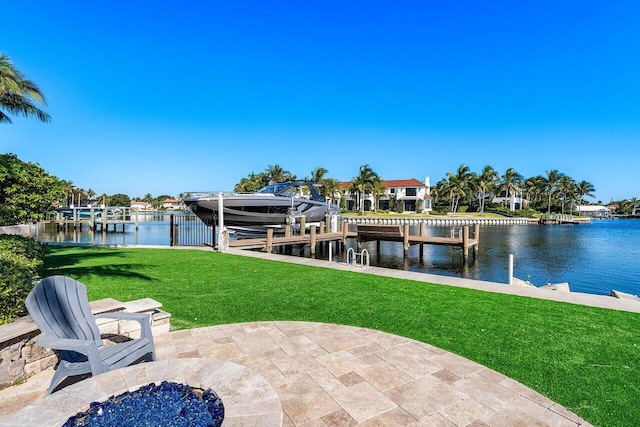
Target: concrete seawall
x=439, y=221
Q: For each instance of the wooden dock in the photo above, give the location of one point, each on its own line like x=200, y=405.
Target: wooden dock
x=460, y=237
x=371, y=232
x=316, y=235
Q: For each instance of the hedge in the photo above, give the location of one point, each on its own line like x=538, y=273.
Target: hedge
x=21, y=261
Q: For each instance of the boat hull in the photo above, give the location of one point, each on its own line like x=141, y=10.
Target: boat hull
x=261, y=210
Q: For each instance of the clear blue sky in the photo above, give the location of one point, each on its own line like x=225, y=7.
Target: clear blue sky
x=167, y=97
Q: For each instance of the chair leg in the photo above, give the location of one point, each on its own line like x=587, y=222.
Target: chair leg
x=58, y=376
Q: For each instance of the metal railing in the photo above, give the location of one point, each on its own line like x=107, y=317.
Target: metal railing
x=189, y=230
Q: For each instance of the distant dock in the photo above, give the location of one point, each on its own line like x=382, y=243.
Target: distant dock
x=96, y=219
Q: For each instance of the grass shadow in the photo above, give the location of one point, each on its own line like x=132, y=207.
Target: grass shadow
x=83, y=261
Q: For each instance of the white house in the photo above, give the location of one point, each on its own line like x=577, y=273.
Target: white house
x=409, y=192
x=141, y=206
x=514, y=200
x=595, y=211
x=172, y=204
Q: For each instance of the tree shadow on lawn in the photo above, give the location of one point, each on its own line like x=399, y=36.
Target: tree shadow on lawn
x=67, y=264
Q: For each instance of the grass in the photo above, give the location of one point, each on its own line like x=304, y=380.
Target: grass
x=584, y=358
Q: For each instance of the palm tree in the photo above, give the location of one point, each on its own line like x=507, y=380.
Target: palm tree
x=567, y=189
x=510, y=183
x=276, y=173
x=485, y=184
x=585, y=188
x=363, y=184
x=377, y=189
x=331, y=188
x=18, y=95
x=459, y=185
x=317, y=175
x=551, y=182
x=535, y=188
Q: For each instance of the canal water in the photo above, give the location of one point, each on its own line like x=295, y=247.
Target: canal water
x=592, y=258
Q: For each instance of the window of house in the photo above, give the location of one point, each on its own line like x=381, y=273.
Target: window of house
x=393, y=190
x=411, y=192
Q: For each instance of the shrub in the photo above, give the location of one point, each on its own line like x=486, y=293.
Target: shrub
x=399, y=207
x=21, y=261
x=463, y=209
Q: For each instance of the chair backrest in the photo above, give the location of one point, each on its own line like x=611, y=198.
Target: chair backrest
x=60, y=307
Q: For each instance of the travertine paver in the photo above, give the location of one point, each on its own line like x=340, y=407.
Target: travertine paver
x=326, y=375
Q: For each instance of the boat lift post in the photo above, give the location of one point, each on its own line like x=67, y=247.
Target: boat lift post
x=223, y=235
x=510, y=269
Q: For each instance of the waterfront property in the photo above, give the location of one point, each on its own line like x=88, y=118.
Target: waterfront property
x=595, y=211
x=412, y=194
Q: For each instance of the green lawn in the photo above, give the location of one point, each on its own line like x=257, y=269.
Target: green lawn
x=584, y=358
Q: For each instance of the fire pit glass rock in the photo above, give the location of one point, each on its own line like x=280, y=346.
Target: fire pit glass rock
x=168, y=404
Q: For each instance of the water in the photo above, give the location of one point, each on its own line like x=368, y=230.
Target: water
x=592, y=258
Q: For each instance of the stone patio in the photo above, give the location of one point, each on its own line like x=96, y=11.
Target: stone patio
x=332, y=375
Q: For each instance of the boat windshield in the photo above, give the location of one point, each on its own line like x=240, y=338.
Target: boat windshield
x=292, y=189
x=275, y=188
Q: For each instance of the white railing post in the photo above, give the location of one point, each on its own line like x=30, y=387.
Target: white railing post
x=511, y=269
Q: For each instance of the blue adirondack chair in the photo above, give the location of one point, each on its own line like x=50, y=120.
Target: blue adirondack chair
x=60, y=308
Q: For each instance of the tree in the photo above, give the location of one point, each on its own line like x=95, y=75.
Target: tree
x=459, y=185
x=567, y=189
x=18, y=95
x=485, y=184
x=510, y=183
x=551, y=182
x=363, y=184
x=535, y=189
x=317, y=175
x=27, y=192
x=584, y=188
x=119, y=199
x=276, y=173
x=377, y=189
x=252, y=183
x=331, y=188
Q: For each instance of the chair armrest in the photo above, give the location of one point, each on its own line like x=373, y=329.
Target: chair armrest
x=143, y=319
x=88, y=348
x=55, y=343
x=139, y=317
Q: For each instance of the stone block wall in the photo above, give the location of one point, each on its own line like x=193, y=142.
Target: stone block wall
x=21, y=357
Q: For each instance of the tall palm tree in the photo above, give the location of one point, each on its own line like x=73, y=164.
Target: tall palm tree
x=585, y=188
x=511, y=182
x=485, y=184
x=276, y=174
x=331, y=188
x=535, y=188
x=551, y=182
x=377, y=189
x=567, y=189
x=317, y=174
x=460, y=185
x=18, y=95
x=363, y=184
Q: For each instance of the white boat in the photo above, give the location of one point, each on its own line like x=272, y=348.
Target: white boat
x=275, y=204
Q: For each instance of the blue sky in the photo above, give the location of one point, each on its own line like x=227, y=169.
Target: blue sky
x=164, y=98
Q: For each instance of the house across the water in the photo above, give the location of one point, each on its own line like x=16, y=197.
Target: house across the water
x=406, y=195
x=595, y=211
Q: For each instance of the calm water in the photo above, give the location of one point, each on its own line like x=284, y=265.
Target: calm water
x=593, y=258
